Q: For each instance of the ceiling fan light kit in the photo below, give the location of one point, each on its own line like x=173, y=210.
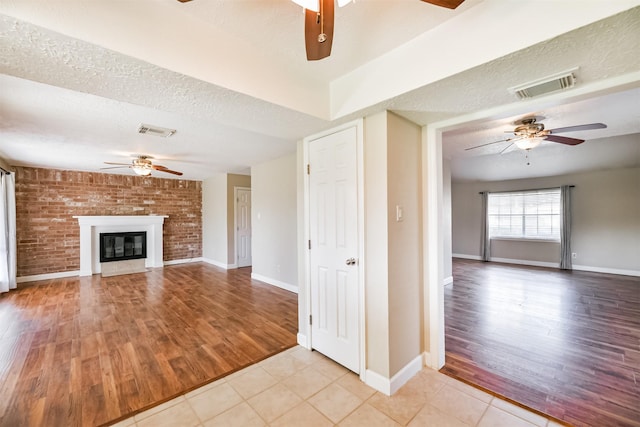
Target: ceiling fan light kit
x=529, y=142
x=141, y=166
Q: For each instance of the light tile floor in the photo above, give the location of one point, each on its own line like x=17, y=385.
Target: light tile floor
x=303, y=388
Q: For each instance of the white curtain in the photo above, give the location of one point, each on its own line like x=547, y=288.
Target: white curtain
x=565, y=228
x=8, y=260
x=485, y=239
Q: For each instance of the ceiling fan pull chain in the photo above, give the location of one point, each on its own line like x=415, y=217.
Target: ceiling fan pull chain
x=322, y=37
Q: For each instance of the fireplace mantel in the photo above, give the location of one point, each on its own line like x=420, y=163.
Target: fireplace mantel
x=92, y=226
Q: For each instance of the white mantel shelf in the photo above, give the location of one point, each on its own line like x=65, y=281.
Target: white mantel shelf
x=92, y=226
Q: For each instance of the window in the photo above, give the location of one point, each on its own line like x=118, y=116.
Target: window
x=525, y=214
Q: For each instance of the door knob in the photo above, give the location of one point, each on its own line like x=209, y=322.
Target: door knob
x=351, y=261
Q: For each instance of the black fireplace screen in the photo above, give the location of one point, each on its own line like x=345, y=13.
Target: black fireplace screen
x=123, y=246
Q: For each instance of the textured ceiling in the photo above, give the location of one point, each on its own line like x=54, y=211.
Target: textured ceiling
x=70, y=103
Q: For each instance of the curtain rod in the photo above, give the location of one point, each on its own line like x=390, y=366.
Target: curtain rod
x=523, y=191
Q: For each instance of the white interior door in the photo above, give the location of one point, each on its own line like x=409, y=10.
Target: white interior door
x=243, y=227
x=333, y=231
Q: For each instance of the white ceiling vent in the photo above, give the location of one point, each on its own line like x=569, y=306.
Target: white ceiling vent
x=564, y=80
x=155, y=130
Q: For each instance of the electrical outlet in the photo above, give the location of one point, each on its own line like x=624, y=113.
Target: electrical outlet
x=574, y=255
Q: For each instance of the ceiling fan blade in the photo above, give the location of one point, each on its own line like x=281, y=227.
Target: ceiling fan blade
x=590, y=126
x=164, y=169
x=319, y=26
x=449, y=4
x=119, y=164
x=116, y=167
x=490, y=143
x=184, y=1
x=506, y=148
x=564, y=140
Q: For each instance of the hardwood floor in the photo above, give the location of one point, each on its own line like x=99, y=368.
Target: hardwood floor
x=566, y=344
x=89, y=351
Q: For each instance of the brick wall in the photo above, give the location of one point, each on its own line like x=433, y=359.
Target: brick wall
x=48, y=236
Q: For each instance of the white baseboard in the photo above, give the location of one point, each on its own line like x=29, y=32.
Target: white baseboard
x=183, y=261
x=390, y=386
x=526, y=262
x=447, y=281
x=426, y=359
x=511, y=261
x=217, y=263
x=607, y=270
x=464, y=256
x=47, y=276
x=303, y=341
x=274, y=282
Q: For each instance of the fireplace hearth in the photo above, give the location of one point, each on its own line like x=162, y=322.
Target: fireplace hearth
x=123, y=246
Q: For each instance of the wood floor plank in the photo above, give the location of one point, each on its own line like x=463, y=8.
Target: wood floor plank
x=566, y=344
x=91, y=351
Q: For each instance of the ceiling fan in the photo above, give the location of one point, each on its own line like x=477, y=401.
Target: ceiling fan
x=318, y=23
x=529, y=134
x=142, y=166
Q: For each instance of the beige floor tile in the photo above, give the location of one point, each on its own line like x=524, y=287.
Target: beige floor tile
x=252, y=382
x=306, y=382
x=241, y=415
x=335, y=402
x=470, y=390
x=430, y=416
x=367, y=416
x=178, y=415
x=274, y=402
x=214, y=401
x=282, y=366
x=159, y=408
x=454, y=402
x=520, y=412
x=241, y=372
x=125, y=423
x=330, y=369
x=495, y=417
x=307, y=356
x=205, y=388
x=425, y=384
x=401, y=407
x=352, y=382
x=302, y=415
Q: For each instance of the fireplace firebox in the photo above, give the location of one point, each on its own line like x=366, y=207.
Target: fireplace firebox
x=123, y=246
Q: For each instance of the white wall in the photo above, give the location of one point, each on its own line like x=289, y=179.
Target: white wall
x=274, y=222
x=214, y=219
x=405, y=241
x=605, y=229
x=446, y=220
x=376, y=244
x=393, y=249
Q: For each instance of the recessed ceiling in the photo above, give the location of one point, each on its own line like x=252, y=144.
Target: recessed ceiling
x=78, y=78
